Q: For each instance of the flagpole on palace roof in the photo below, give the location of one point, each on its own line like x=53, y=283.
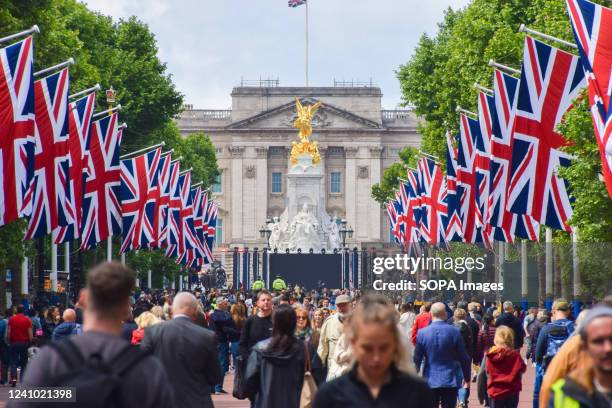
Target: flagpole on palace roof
x=306, y=60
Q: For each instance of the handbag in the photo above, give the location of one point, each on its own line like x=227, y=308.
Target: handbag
x=240, y=391
x=309, y=387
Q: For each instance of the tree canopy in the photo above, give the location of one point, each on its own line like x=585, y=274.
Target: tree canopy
x=122, y=54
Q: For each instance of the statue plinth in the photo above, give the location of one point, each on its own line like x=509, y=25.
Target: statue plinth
x=305, y=223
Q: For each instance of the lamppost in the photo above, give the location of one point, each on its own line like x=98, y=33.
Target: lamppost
x=265, y=232
x=344, y=231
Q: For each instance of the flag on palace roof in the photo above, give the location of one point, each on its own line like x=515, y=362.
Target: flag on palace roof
x=295, y=3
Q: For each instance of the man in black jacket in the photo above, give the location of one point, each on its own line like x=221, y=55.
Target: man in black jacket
x=223, y=325
x=188, y=353
x=507, y=318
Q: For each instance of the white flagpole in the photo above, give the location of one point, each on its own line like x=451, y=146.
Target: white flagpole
x=109, y=249
x=34, y=29
x=306, y=51
x=53, y=274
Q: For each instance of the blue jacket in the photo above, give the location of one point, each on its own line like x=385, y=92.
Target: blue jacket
x=441, y=345
x=65, y=329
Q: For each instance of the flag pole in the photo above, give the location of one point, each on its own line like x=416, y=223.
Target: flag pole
x=524, y=29
x=96, y=87
x=33, y=29
x=506, y=68
x=306, y=50
x=459, y=109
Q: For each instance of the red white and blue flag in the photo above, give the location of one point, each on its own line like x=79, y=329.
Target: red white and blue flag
x=101, y=206
x=139, y=192
x=49, y=195
x=160, y=222
x=506, y=224
x=550, y=80
x=295, y=3
x=211, y=226
x=79, y=126
x=207, y=203
x=393, y=222
x=434, y=208
x=486, y=111
x=412, y=214
x=174, y=213
x=187, y=233
x=452, y=222
x=592, y=25
x=16, y=128
x=467, y=188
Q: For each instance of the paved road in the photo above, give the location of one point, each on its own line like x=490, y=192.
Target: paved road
x=227, y=401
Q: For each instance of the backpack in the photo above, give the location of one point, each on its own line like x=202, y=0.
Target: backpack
x=557, y=336
x=97, y=383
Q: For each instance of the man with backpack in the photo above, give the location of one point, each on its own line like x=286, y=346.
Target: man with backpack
x=103, y=369
x=551, y=338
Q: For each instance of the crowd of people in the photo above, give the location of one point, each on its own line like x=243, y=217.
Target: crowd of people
x=292, y=347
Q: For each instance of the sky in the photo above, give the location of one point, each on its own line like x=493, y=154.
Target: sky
x=209, y=45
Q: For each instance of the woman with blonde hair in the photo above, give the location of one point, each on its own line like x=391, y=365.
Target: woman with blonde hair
x=146, y=319
x=504, y=368
x=317, y=320
x=158, y=312
x=381, y=374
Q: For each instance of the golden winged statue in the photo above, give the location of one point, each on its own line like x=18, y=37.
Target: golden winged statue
x=304, y=125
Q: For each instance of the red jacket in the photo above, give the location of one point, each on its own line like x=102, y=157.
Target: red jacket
x=421, y=321
x=137, y=336
x=505, y=367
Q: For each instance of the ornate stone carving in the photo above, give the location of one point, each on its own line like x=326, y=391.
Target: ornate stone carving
x=319, y=120
x=350, y=152
x=236, y=151
x=363, y=172
x=376, y=152
x=262, y=152
x=250, y=171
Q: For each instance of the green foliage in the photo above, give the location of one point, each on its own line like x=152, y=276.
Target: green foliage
x=121, y=54
x=385, y=190
x=441, y=73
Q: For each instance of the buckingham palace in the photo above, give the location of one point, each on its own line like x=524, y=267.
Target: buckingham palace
x=357, y=140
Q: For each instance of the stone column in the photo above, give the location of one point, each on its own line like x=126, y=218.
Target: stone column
x=374, y=207
x=261, y=188
x=350, y=186
x=323, y=194
x=236, y=193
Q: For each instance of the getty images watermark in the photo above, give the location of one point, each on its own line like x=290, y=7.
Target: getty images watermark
x=460, y=265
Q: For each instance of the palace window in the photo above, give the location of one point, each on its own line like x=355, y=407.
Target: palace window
x=277, y=182
x=335, y=182
x=217, y=184
x=218, y=233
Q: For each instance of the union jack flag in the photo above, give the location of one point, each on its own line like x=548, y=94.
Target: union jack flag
x=207, y=203
x=174, y=213
x=295, y=3
x=160, y=222
x=139, y=190
x=592, y=25
x=16, y=128
x=482, y=164
x=412, y=218
x=101, y=206
x=433, y=202
x=452, y=221
x=393, y=221
x=49, y=194
x=187, y=233
x=507, y=225
x=550, y=80
x=467, y=189
x=79, y=126
x=211, y=226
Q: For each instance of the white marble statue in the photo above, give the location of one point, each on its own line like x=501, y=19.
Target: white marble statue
x=304, y=231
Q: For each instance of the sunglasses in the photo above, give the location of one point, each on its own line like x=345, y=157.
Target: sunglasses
x=303, y=317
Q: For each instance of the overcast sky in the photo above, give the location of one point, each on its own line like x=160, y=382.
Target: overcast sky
x=209, y=45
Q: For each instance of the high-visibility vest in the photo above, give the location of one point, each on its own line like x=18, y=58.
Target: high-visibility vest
x=279, y=284
x=258, y=285
x=560, y=399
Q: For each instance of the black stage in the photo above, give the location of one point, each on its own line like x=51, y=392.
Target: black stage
x=308, y=270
